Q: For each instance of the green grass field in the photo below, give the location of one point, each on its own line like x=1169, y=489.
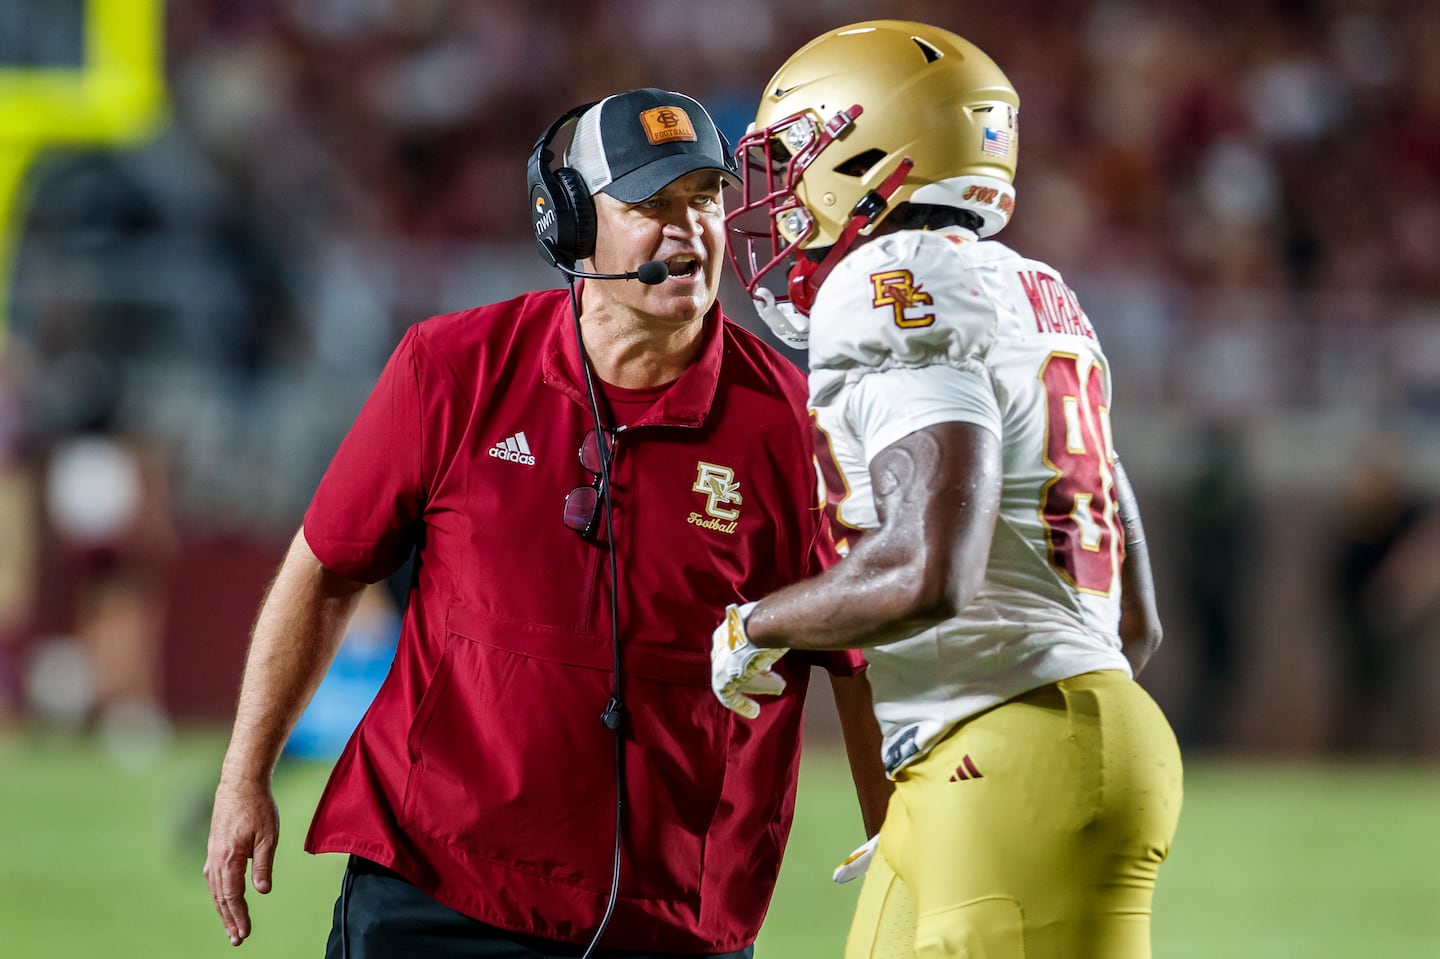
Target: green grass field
x=1271, y=862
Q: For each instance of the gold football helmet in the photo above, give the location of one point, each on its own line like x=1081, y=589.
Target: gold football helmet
x=859, y=120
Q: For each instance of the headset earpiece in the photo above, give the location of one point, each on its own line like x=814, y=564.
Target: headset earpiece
x=581, y=240
x=562, y=210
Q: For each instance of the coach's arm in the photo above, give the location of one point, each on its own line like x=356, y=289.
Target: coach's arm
x=301, y=623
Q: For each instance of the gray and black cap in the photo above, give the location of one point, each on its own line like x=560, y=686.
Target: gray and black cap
x=632, y=145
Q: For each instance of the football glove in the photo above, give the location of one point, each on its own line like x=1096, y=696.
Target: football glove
x=857, y=862
x=738, y=667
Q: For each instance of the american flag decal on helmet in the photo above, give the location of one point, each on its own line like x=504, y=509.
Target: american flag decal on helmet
x=996, y=142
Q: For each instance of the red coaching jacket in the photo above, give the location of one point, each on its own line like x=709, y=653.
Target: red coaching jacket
x=482, y=772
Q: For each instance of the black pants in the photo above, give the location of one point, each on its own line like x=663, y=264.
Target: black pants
x=381, y=916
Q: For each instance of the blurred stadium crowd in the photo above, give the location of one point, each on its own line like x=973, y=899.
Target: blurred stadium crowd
x=1246, y=196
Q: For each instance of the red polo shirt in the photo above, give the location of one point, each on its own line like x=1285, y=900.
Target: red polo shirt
x=482, y=772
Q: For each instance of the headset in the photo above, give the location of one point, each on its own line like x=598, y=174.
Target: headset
x=562, y=211
x=561, y=207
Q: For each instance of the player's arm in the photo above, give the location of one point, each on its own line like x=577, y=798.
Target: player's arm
x=856, y=709
x=937, y=494
x=1140, y=629
x=296, y=635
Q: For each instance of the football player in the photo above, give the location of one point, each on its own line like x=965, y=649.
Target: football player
x=996, y=572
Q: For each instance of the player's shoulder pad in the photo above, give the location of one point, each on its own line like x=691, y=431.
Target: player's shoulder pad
x=911, y=298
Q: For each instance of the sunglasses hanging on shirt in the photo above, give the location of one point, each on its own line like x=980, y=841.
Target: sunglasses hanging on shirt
x=583, y=504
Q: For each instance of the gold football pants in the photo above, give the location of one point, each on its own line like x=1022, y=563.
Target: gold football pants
x=1034, y=830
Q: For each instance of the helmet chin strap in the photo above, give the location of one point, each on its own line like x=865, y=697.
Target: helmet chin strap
x=807, y=275
x=787, y=323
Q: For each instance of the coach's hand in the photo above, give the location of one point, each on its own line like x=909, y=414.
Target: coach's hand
x=738, y=667
x=245, y=825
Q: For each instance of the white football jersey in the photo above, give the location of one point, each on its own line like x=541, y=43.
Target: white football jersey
x=919, y=328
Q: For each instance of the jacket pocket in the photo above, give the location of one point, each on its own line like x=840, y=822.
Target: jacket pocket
x=510, y=763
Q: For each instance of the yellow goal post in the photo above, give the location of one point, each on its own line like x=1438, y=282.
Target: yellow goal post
x=116, y=97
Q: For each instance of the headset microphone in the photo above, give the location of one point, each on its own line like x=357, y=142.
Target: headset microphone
x=650, y=273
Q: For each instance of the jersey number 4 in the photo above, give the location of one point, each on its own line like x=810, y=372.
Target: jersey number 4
x=1078, y=505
